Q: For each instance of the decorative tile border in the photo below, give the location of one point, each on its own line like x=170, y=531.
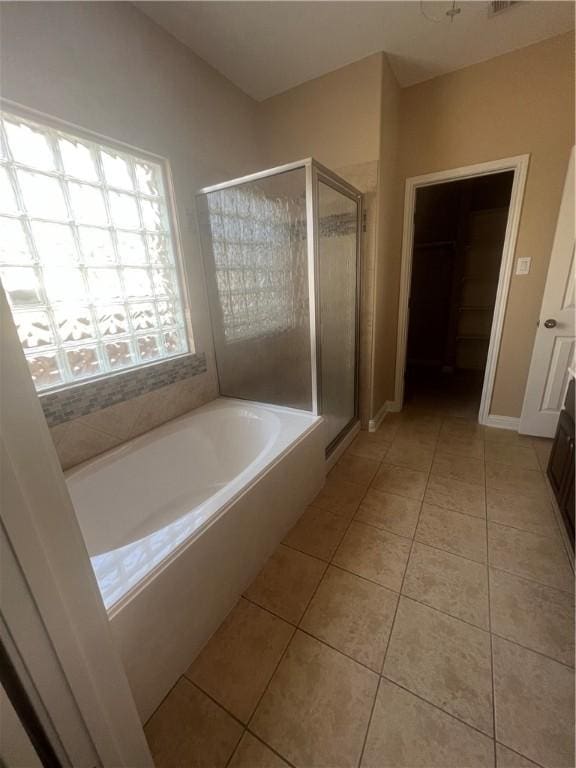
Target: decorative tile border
x=338, y=224
x=80, y=400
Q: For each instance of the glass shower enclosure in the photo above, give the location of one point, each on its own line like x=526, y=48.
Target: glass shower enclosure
x=281, y=254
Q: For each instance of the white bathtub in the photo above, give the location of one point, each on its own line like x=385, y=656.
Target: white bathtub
x=178, y=522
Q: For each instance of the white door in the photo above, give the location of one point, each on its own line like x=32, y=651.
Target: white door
x=553, y=351
x=53, y=624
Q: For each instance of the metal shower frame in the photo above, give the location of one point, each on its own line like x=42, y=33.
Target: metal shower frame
x=316, y=173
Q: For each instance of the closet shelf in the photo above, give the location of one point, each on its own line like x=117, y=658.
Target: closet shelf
x=434, y=243
x=474, y=337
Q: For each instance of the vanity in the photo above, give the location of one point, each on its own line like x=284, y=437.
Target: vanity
x=560, y=469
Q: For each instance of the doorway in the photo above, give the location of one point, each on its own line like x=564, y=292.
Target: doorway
x=460, y=229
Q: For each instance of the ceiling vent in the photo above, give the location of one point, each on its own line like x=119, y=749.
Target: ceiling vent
x=496, y=7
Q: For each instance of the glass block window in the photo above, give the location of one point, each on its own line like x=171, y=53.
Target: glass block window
x=259, y=246
x=86, y=255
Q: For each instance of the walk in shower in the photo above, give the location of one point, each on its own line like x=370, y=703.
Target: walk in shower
x=281, y=251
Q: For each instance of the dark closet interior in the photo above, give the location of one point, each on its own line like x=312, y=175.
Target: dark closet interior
x=459, y=231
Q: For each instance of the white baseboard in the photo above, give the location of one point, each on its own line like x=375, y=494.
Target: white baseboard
x=390, y=406
x=374, y=423
x=341, y=447
x=502, y=422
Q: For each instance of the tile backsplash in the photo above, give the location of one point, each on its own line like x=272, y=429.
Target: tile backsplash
x=85, y=398
x=85, y=436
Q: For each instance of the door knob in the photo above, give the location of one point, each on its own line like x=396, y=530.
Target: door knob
x=550, y=323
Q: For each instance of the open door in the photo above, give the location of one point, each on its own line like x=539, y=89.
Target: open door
x=553, y=351
x=62, y=683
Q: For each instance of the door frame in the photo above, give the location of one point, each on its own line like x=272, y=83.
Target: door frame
x=53, y=623
x=519, y=165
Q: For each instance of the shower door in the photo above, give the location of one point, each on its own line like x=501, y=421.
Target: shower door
x=337, y=270
x=256, y=259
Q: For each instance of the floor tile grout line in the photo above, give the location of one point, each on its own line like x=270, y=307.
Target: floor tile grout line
x=462, y=557
x=338, y=650
x=532, y=533
x=363, y=578
x=359, y=762
x=392, y=625
x=529, y=579
x=387, y=493
x=450, y=509
x=341, y=537
x=450, y=551
x=447, y=509
x=402, y=586
x=492, y=674
x=436, y=706
x=231, y=755
x=330, y=563
x=144, y=725
x=219, y=705
x=458, y=511
x=444, y=613
x=412, y=599
x=447, y=551
x=370, y=716
x=272, y=613
x=298, y=628
x=400, y=595
x=381, y=676
x=304, y=552
x=531, y=650
x=295, y=629
x=245, y=726
x=531, y=759
x=266, y=688
x=356, y=521
x=272, y=749
x=214, y=701
x=553, y=537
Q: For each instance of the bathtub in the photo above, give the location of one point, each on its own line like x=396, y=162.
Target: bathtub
x=178, y=522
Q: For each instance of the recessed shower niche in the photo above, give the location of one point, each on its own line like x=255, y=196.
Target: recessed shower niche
x=281, y=251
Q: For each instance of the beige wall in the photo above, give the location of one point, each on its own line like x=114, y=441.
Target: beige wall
x=514, y=104
x=387, y=189
x=346, y=120
x=121, y=75
x=519, y=103
x=334, y=118
x=108, y=68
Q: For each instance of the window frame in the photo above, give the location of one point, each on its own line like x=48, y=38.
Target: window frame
x=9, y=109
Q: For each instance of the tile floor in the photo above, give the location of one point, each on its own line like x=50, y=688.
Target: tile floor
x=419, y=614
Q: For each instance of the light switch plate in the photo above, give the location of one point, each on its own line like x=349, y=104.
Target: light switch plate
x=523, y=265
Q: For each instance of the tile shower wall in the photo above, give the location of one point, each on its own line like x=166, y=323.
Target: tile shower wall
x=83, y=438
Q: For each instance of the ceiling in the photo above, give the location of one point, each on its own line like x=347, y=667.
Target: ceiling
x=268, y=47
